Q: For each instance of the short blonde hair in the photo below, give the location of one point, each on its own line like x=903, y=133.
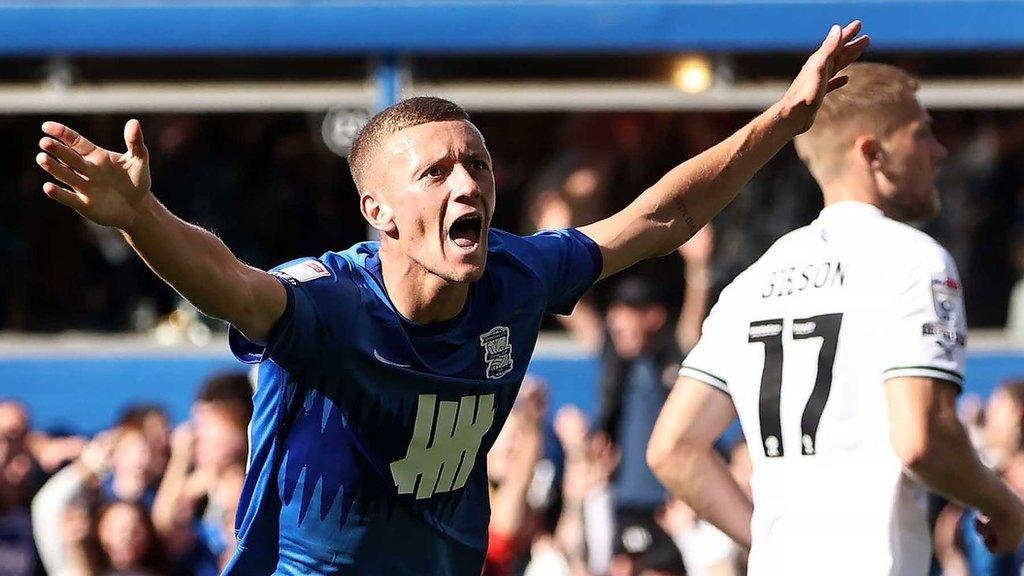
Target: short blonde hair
x=875, y=100
x=406, y=114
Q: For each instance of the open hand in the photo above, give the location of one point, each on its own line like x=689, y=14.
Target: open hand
x=820, y=74
x=104, y=186
x=183, y=443
x=96, y=456
x=571, y=428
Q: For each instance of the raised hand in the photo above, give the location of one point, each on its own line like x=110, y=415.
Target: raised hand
x=820, y=74
x=571, y=428
x=96, y=456
x=699, y=249
x=104, y=186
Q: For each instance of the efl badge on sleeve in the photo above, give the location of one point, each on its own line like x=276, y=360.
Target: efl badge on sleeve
x=946, y=296
x=303, y=271
x=497, y=351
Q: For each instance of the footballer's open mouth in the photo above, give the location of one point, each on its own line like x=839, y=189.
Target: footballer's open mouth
x=466, y=231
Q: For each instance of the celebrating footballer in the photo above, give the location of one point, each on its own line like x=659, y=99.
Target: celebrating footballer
x=386, y=370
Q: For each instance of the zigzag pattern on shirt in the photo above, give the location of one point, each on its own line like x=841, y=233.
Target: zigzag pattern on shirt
x=324, y=453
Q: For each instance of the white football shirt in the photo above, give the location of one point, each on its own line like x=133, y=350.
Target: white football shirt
x=803, y=342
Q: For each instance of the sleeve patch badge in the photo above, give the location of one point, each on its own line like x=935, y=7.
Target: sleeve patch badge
x=945, y=333
x=948, y=338
x=946, y=296
x=304, y=271
x=945, y=285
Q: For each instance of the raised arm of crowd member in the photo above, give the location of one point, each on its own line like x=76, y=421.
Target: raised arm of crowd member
x=585, y=325
x=520, y=444
x=696, y=253
x=173, y=507
x=571, y=428
x=114, y=189
x=668, y=213
x=54, y=501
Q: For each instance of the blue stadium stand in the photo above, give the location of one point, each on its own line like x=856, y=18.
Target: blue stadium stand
x=495, y=26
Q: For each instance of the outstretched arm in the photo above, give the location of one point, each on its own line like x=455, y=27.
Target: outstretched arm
x=672, y=210
x=113, y=189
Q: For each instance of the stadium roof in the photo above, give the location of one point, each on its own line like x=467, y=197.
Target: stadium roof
x=495, y=26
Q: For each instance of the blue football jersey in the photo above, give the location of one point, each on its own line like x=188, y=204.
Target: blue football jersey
x=370, y=432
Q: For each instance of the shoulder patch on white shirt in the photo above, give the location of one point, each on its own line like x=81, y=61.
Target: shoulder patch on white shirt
x=946, y=285
x=304, y=271
x=946, y=296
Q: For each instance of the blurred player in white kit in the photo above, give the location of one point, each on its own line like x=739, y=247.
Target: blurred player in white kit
x=842, y=352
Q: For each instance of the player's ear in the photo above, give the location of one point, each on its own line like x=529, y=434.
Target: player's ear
x=868, y=150
x=377, y=213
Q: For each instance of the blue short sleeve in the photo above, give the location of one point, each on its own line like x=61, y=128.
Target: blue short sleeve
x=295, y=338
x=568, y=262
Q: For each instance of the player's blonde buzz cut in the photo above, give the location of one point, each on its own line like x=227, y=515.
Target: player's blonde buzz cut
x=405, y=114
x=878, y=99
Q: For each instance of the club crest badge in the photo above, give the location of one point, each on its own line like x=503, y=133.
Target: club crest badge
x=497, y=351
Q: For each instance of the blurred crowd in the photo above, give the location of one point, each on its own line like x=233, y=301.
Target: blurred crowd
x=570, y=495
x=139, y=499
x=270, y=187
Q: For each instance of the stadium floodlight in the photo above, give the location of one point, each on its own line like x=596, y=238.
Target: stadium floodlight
x=693, y=73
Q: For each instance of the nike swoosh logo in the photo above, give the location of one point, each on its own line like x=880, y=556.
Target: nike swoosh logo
x=388, y=362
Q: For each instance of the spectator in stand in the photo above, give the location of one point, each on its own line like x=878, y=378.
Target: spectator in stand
x=510, y=467
x=1004, y=424
x=129, y=542
x=221, y=416
x=586, y=529
x=22, y=469
x=572, y=191
x=121, y=541
x=641, y=353
x=19, y=477
x=156, y=428
x=232, y=387
x=195, y=506
x=132, y=477
x=639, y=370
x=959, y=547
